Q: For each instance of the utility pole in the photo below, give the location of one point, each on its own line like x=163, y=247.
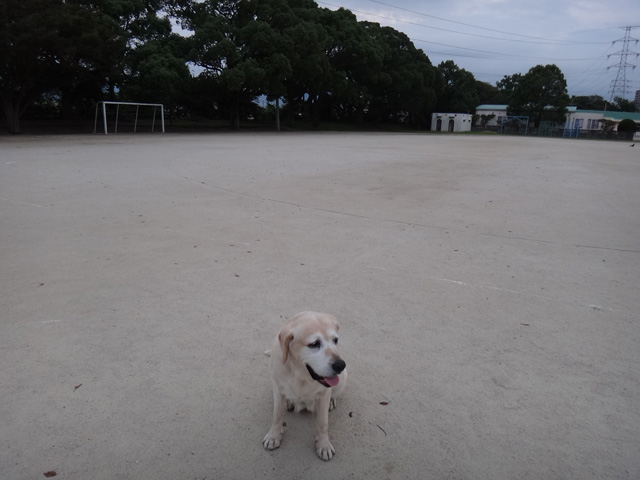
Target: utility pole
x=621, y=85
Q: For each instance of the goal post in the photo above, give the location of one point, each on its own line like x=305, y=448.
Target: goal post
x=104, y=104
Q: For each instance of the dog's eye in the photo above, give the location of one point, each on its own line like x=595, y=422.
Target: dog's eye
x=315, y=344
x=335, y=340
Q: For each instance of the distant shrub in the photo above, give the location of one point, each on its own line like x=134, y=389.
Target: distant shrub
x=627, y=125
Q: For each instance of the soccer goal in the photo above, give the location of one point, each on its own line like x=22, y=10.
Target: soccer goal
x=127, y=106
x=515, y=125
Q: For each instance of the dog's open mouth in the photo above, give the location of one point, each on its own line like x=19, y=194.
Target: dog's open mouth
x=326, y=381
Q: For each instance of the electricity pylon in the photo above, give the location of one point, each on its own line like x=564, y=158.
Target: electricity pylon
x=621, y=84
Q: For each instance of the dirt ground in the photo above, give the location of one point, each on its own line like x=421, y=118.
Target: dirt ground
x=488, y=289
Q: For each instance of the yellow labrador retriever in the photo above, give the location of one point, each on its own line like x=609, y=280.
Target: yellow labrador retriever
x=307, y=373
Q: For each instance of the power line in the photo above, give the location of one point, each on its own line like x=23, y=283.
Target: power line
x=502, y=54
x=545, y=41
x=589, y=77
x=479, y=27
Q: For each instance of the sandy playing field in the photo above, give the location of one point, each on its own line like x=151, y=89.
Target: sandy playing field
x=488, y=289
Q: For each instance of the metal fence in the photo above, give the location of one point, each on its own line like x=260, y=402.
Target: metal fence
x=555, y=131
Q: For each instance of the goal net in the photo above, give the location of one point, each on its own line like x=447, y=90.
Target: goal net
x=127, y=113
x=514, y=125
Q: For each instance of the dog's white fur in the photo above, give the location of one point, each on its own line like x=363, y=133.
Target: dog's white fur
x=306, y=339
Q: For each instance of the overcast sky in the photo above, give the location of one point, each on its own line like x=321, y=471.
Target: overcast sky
x=494, y=38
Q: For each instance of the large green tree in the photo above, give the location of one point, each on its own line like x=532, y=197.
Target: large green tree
x=290, y=48
x=623, y=105
x=508, y=85
x=589, y=102
x=233, y=47
x=406, y=86
x=488, y=93
x=269, y=45
x=459, y=93
x=311, y=71
x=356, y=61
x=52, y=45
x=157, y=73
x=140, y=22
x=541, y=94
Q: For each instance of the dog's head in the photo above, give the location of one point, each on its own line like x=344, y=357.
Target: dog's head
x=310, y=340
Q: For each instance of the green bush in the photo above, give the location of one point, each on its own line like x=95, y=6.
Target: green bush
x=627, y=125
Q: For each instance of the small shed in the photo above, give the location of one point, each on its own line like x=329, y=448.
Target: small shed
x=451, y=122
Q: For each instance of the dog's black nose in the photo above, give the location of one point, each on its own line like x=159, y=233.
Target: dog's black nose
x=338, y=366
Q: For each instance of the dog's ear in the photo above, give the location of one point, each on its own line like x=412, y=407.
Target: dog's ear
x=285, y=337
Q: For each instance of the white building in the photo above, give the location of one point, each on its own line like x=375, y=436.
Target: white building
x=491, y=115
x=451, y=122
x=595, y=119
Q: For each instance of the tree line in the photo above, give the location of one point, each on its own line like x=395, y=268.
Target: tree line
x=319, y=64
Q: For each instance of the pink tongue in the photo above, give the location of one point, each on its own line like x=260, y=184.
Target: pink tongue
x=332, y=381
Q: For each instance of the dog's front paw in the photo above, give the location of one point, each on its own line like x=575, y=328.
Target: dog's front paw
x=324, y=449
x=271, y=440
